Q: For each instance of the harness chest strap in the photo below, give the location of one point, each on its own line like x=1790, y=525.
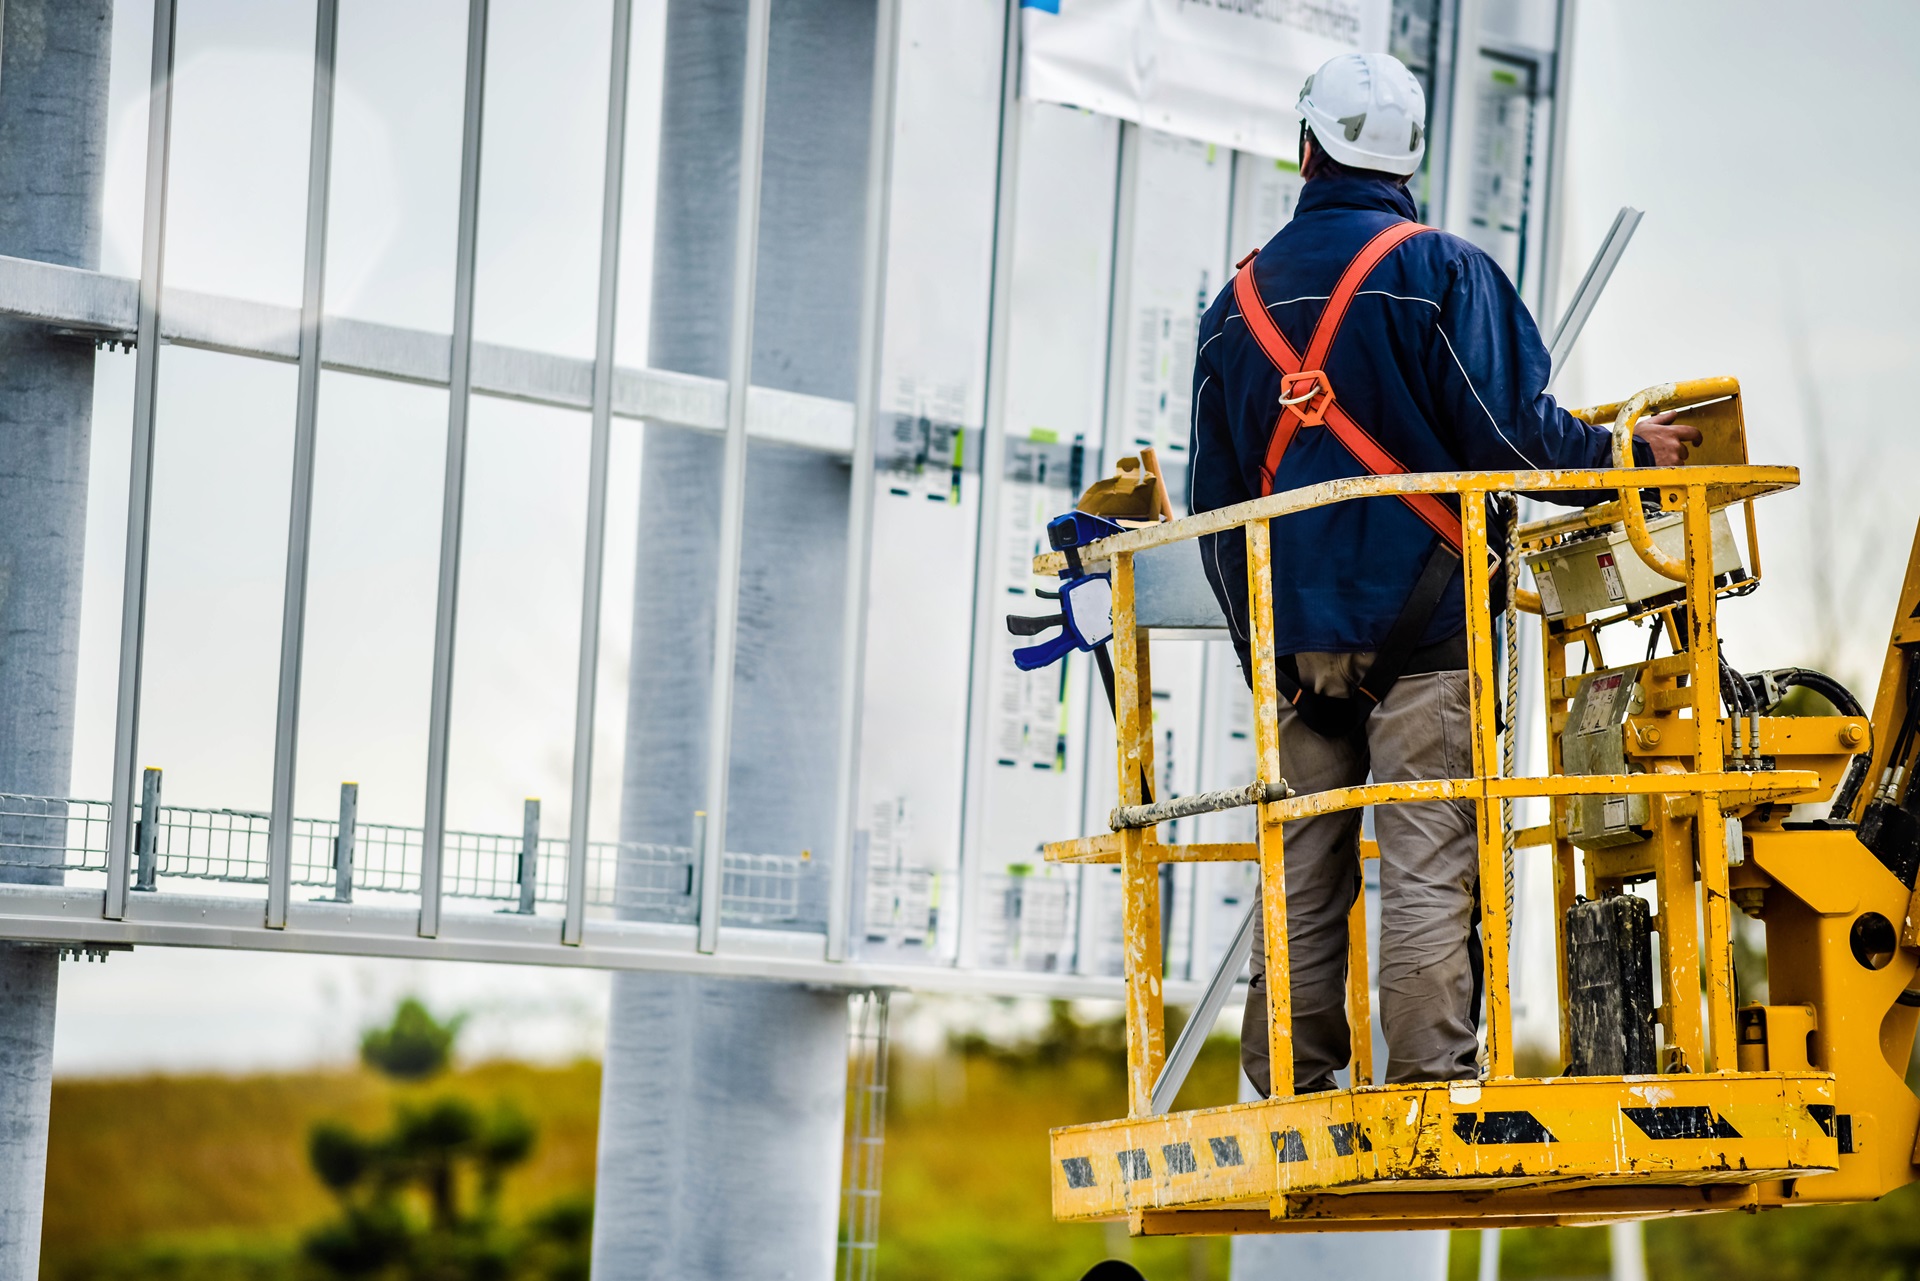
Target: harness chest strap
x=1308, y=397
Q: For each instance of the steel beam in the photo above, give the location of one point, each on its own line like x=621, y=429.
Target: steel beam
x=453, y=493
x=853, y=618
x=733, y=472
x=293, y=613
x=106, y=308
x=586, y=683
x=993, y=452
x=146, y=380
x=71, y=914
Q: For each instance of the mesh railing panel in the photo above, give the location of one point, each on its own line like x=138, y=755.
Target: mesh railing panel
x=49, y=832
x=659, y=881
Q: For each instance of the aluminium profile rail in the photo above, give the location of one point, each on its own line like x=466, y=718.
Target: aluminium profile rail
x=105, y=307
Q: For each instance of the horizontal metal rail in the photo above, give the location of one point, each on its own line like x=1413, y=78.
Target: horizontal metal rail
x=104, y=307
x=1127, y=816
x=1737, y=483
x=71, y=915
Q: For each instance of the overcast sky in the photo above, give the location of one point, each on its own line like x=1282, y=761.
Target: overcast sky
x=1768, y=144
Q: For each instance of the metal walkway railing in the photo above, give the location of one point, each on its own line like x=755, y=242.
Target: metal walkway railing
x=346, y=856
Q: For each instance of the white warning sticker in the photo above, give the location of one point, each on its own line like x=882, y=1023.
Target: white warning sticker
x=1613, y=812
x=1599, y=712
x=1610, y=575
x=1549, y=594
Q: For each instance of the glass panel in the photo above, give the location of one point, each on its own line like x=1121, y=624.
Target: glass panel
x=1024, y=909
x=242, y=111
x=516, y=647
x=395, y=193
x=541, y=173
x=380, y=457
x=927, y=482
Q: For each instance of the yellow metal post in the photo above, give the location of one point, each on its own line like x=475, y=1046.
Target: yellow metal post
x=1273, y=876
x=1710, y=823
x=1359, y=1001
x=1139, y=870
x=1565, y=885
x=1485, y=693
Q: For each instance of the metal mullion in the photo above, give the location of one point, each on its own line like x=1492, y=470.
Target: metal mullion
x=1126, y=202
x=586, y=687
x=1553, y=211
x=853, y=620
x=293, y=613
x=459, y=387
x=1126, y=193
x=733, y=475
x=992, y=464
x=1462, y=120
x=146, y=379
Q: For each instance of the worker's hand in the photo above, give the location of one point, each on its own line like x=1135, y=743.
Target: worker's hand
x=1668, y=442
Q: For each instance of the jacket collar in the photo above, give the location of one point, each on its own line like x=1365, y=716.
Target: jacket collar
x=1344, y=191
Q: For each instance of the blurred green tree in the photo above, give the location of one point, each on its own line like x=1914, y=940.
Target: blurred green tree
x=414, y=1045
x=421, y=1202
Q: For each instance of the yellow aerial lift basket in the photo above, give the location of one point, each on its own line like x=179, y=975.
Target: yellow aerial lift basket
x=1799, y=1101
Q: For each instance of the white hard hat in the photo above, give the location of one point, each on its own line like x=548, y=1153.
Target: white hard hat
x=1367, y=111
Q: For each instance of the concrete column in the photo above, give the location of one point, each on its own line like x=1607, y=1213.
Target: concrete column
x=723, y=1104
x=53, y=108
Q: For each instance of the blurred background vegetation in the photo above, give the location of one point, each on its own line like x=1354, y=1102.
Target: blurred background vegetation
x=486, y=1171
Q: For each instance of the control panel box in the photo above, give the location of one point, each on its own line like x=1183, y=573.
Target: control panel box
x=1600, y=571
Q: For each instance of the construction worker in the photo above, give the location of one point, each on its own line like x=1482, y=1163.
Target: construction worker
x=1358, y=341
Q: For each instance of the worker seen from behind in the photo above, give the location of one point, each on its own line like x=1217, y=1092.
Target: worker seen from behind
x=1356, y=342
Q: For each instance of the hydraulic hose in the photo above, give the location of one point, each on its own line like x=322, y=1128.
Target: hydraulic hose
x=1843, y=699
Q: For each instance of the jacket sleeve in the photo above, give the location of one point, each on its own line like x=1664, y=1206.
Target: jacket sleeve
x=1215, y=480
x=1490, y=380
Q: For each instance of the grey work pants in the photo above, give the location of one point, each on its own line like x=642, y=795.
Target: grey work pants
x=1429, y=869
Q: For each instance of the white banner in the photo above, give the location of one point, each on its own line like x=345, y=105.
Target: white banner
x=1222, y=71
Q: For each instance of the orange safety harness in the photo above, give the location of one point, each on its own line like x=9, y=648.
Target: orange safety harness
x=1307, y=400
x=1307, y=395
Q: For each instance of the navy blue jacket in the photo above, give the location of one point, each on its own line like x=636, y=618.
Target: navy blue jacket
x=1437, y=358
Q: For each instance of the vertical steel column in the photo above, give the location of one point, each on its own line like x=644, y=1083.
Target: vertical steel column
x=293, y=612
x=993, y=452
x=528, y=873
x=733, y=477
x=866, y=410
x=605, y=317
x=147, y=835
x=453, y=494
x=343, y=843
x=146, y=381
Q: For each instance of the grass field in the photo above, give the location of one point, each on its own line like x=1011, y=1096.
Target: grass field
x=205, y=1177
